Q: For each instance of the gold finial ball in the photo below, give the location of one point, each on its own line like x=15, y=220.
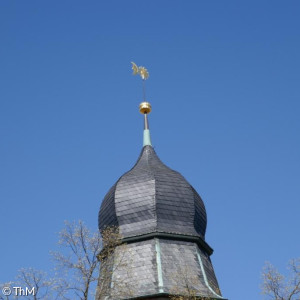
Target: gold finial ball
x=145, y=108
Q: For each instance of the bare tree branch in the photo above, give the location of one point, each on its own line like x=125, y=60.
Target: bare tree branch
x=82, y=255
x=79, y=266
x=276, y=287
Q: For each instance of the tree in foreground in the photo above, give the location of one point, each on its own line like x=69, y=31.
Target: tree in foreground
x=82, y=254
x=276, y=287
x=29, y=284
x=77, y=267
x=88, y=252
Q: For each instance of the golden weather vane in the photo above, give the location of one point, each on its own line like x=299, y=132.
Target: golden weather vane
x=143, y=72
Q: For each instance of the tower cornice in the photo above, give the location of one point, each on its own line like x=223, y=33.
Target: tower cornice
x=170, y=236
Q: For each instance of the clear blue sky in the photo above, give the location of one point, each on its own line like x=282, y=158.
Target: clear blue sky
x=224, y=87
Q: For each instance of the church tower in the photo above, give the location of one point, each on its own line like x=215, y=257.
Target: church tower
x=162, y=221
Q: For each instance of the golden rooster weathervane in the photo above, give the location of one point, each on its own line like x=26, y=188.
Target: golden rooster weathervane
x=142, y=71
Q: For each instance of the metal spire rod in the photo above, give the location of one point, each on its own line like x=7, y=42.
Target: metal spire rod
x=144, y=90
x=146, y=123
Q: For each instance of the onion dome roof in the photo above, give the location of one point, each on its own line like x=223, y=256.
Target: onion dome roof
x=150, y=198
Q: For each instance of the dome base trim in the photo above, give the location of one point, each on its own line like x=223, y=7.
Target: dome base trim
x=171, y=236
